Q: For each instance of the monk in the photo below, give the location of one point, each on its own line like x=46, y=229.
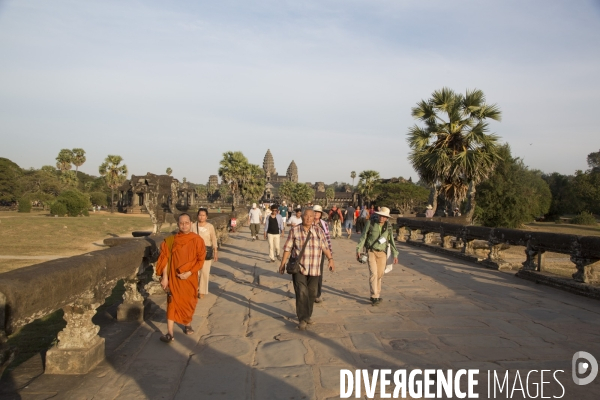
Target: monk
x=181, y=257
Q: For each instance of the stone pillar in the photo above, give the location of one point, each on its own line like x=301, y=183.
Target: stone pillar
x=427, y=237
x=530, y=263
x=495, y=256
x=79, y=347
x=541, y=259
x=468, y=247
x=402, y=234
x=132, y=308
x=588, y=269
x=413, y=234
x=153, y=287
x=446, y=241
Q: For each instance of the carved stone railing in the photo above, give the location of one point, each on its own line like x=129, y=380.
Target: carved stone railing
x=584, y=251
x=79, y=285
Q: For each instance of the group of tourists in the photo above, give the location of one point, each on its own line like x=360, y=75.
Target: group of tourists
x=186, y=257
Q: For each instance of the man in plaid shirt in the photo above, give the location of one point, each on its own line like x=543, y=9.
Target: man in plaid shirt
x=306, y=281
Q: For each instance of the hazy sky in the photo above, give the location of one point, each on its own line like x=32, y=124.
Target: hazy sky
x=329, y=84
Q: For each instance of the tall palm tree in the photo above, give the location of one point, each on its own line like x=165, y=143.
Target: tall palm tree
x=453, y=151
x=353, y=175
x=64, y=160
x=78, y=158
x=366, y=184
x=232, y=171
x=114, y=174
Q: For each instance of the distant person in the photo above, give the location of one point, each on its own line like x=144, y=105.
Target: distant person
x=429, y=211
x=376, y=238
x=336, y=217
x=206, y=231
x=283, y=211
x=295, y=219
x=349, y=220
x=372, y=211
x=363, y=217
x=456, y=212
x=273, y=231
x=307, y=280
x=181, y=257
x=324, y=226
x=254, y=216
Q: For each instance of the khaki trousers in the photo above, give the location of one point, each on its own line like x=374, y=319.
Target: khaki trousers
x=337, y=229
x=203, y=276
x=377, y=260
x=273, y=245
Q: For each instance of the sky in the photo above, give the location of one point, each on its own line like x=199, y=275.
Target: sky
x=329, y=83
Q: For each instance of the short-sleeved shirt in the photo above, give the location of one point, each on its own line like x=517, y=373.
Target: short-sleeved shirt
x=311, y=258
x=255, y=215
x=283, y=211
x=295, y=220
x=349, y=213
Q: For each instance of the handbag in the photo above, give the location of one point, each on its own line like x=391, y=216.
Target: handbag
x=293, y=265
x=209, y=253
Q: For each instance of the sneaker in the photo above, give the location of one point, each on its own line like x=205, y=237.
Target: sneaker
x=309, y=321
x=272, y=261
x=319, y=299
x=302, y=325
x=279, y=257
x=373, y=301
x=253, y=239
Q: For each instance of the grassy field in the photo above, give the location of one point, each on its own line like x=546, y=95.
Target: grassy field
x=39, y=234
x=581, y=230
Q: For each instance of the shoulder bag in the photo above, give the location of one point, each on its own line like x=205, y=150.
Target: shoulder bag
x=293, y=265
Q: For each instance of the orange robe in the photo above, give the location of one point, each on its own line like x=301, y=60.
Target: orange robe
x=189, y=252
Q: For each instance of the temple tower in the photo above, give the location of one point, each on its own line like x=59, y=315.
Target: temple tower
x=269, y=165
x=292, y=172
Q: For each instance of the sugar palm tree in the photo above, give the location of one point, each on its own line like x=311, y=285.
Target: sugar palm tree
x=114, y=174
x=453, y=151
x=64, y=160
x=366, y=184
x=78, y=158
x=353, y=175
x=232, y=171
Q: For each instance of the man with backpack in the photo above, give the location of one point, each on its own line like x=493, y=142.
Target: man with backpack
x=335, y=216
x=376, y=238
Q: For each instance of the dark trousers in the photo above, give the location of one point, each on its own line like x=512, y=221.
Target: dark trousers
x=306, y=293
x=360, y=224
x=321, y=276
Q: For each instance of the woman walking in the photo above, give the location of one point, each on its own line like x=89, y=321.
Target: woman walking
x=206, y=231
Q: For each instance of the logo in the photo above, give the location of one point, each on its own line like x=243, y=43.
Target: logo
x=584, y=363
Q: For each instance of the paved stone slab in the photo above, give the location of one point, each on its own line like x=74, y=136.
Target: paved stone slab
x=366, y=341
x=280, y=353
x=284, y=383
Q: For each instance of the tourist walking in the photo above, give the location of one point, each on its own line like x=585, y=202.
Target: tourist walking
x=273, y=231
x=325, y=227
x=206, y=231
x=283, y=211
x=363, y=216
x=307, y=242
x=429, y=211
x=349, y=220
x=254, y=217
x=295, y=219
x=181, y=257
x=376, y=238
x=335, y=216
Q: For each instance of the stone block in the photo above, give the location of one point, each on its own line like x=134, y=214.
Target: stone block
x=132, y=311
x=74, y=361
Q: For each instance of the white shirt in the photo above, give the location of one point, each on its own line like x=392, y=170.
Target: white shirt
x=294, y=220
x=255, y=215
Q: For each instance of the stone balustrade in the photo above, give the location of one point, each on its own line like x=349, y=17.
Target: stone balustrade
x=584, y=251
x=79, y=285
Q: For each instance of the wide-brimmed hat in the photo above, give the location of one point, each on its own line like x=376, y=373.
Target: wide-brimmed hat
x=253, y=205
x=318, y=208
x=384, y=212
x=429, y=207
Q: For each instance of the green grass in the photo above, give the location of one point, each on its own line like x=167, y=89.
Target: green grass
x=581, y=230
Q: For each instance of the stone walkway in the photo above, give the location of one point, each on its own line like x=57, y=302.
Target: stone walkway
x=437, y=313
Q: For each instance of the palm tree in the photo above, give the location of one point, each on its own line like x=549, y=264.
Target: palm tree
x=366, y=184
x=232, y=171
x=329, y=195
x=114, y=175
x=64, y=160
x=252, y=185
x=353, y=175
x=169, y=171
x=78, y=158
x=454, y=152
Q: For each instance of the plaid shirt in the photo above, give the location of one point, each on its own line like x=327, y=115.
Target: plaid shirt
x=325, y=228
x=311, y=259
